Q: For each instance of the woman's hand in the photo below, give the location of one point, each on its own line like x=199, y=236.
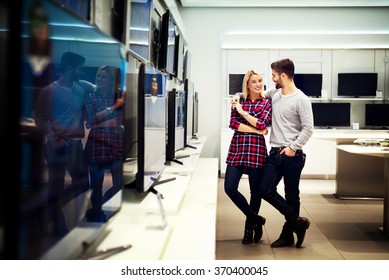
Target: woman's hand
x=235, y=99
x=119, y=102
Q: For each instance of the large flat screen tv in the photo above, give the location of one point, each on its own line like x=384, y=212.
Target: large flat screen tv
x=151, y=127
x=187, y=65
x=43, y=216
x=140, y=33
x=175, y=123
x=189, y=105
x=310, y=84
x=377, y=116
x=329, y=115
x=179, y=58
x=357, y=84
x=167, y=44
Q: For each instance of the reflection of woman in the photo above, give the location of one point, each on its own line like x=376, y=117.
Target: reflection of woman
x=104, y=147
x=247, y=153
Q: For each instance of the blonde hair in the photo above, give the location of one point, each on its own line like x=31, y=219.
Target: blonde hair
x=246, y=79
x=114, y=75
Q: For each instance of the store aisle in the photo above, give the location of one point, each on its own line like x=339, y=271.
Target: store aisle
x=340, y=229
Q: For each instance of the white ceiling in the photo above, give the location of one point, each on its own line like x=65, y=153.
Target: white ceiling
x=284, y=3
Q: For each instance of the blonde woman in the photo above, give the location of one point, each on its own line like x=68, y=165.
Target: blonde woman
x=104, y=147
x=250, y=117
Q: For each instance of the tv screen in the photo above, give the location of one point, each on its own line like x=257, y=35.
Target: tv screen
x=357, y=84
x=310, y=84
x=328, y=115
x=235, y=83
x=189, y=93
x=167, y=44
x=377, y=115
x=51, y=192
x=187, y=65
x=140, y=22
x=151, y=127
x=179, y=58
x=195, y=115
x=79, y=7
x=176, y=123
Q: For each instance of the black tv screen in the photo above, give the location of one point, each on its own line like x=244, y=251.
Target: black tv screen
x=195, y=115
x=167, y=44
x=176, y=121
x=235, y=82
x=187, y=65
x=189, y=93
x=357, y=84
x=331, y=114
x=377, y=115
x=45, y=209
x=310, y=84
x=179, y=58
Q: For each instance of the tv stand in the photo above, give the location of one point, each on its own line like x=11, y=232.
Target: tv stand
x=176, y=160
x=190, y=146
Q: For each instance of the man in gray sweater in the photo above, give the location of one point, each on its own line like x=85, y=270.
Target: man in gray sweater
x=292, y=126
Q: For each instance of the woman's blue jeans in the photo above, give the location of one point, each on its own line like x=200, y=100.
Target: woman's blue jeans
x=231, y=184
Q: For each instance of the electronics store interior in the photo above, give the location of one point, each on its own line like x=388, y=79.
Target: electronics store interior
x=131, y=162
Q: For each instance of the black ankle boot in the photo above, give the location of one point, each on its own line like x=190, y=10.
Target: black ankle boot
x=286, y=237
x=300, y=228
x=258, y=231
x=248, y=233
x=248, y=236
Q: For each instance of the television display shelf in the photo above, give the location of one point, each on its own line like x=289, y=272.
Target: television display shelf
x=356, y=98
x=154, y=236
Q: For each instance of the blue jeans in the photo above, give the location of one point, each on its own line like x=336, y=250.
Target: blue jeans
x=280, y=166
x=231, y=184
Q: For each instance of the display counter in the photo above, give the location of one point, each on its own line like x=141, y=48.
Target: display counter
x=367, y=152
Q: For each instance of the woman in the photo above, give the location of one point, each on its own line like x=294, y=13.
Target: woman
x=104, y=147
x=247, y=152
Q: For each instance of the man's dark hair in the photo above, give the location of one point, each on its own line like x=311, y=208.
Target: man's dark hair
x=71, y=59
x=284, y=66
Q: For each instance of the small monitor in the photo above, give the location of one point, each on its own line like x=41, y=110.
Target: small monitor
x=310, y=84
x=329, y=115
x=377, y=115
x=235, y=82
x=357, y=84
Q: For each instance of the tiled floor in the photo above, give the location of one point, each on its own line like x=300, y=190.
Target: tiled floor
x=340, y=229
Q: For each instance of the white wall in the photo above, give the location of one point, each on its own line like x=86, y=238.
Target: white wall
x=205, y=28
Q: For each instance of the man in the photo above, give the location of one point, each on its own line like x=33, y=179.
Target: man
x=60, y=112
x=292, y=127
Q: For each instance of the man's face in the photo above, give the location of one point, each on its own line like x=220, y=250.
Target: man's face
x=276, y=78
x=77, y=73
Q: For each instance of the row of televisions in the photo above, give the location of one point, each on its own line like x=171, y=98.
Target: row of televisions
x=311, y=84
x=338, y=115
x=157, y=123
x=156, y=39
x=150, y=113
